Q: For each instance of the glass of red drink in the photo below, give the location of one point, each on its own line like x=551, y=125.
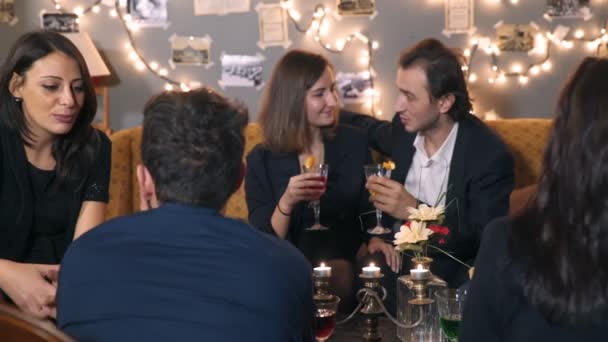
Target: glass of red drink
x=321, y=170
x=325, y=317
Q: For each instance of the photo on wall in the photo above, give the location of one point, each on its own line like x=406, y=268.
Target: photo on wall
x=354, y=87
x=220, y=7
x=190, y=50
x=241, y=70
x=60, y=22
x=272, y=23
x=7, y=11
x=514, y=37
x=356, y=7
x=148, y=13
x=568, y=9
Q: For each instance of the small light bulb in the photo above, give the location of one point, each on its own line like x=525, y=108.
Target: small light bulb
x=473, y=77
x=163, y=72
x=516, y=68
x=534, y=70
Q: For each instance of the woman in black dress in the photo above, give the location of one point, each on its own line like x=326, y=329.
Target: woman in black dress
x=54, y=166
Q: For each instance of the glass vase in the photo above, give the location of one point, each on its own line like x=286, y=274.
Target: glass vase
x=411, y=307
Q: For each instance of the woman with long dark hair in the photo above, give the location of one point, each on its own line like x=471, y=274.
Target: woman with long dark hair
x=54, y=166
x=299, y=118
x=542, y=276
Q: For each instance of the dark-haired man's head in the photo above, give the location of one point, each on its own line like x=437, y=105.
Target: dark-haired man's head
x=192, y=149
x=431, y=85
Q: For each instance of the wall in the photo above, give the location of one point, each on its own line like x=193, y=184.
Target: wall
x=398, y=24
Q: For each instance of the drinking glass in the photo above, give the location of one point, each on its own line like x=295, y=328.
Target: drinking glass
x=450, y=304
x=325, y=317
x=321, y=170
x=377, y=170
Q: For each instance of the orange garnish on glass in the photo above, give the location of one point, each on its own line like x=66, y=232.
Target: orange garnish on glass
x=309, y=162
x=388, y=165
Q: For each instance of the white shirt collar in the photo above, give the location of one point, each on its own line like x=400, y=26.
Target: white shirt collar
x=443, y=154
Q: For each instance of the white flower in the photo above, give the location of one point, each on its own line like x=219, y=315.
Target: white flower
x=417, y=231
x=425, y=213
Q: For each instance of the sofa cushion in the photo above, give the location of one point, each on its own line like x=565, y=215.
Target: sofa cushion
x=526, y=140
x=120, y=175
x=126, y=155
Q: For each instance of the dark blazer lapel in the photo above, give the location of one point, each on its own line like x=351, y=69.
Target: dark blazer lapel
x=15, y=157
x=456, y=180
x=284, y=166
x=14, y=181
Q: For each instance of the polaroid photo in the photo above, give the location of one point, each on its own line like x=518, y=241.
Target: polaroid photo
x=354, y=87
x=190, y=50
x=272, y=22
x=148, y=13
x=220, y=7
x=459, y=16
x=568, y=9
x=242, y=70
x=60, y=22
x=7, y=11
x=518, y=38
x=356, y=7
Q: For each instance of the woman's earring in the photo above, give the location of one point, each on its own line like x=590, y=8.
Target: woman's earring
x=18, y=99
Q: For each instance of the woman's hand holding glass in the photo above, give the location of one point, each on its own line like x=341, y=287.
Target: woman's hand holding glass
x=302, y=187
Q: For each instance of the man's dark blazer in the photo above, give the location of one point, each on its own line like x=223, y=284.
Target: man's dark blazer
x=479, y=183
x=267, y=177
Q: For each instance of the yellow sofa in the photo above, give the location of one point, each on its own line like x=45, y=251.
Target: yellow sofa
x=525, y=138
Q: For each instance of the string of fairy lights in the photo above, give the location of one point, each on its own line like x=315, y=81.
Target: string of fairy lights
x=544, y=44
x=318, y=25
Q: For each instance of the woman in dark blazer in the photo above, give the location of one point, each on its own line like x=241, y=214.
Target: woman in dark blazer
x=299, y=118
x=54, y=167
x=542, y=276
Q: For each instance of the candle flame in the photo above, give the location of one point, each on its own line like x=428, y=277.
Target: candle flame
x=420, y=267
x=322, y=264
x=371, y=264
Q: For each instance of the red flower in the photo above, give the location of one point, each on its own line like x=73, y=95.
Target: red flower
x=441, y=230
x=441, y=241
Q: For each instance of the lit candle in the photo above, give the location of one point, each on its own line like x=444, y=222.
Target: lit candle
x=420, y=273
x=322, y=271
x=371, y=270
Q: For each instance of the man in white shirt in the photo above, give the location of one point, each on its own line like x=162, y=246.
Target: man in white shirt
x=442, y=152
